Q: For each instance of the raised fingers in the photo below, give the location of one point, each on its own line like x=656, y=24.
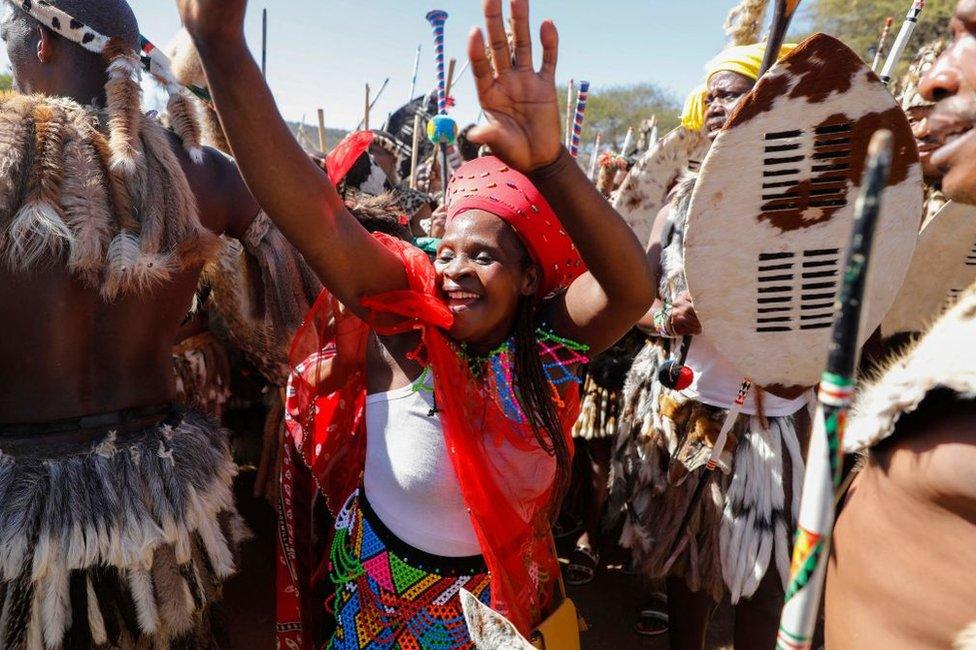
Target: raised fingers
x=523, y=35
x=480, y=65
x=549, y=37
x=495, y=23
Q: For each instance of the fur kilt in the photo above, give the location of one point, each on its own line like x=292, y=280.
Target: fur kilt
x=601, y=396
x=115, y=531
x=743, y=519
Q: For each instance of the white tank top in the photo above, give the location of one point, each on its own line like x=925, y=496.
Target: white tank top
x=717, y=383
x=409, y=478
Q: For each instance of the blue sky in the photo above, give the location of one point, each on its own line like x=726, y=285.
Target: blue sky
x=323, y=52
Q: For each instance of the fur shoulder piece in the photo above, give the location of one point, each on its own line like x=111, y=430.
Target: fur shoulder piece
x=63, y=201
x=944, y=358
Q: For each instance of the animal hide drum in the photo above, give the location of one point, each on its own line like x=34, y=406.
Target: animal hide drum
x=645, y=190
x=772, y=213
x=944, y=265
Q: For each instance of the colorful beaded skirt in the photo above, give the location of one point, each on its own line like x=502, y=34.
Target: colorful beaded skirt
x=390, y=595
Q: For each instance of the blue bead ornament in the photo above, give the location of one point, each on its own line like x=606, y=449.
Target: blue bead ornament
x=442, y=129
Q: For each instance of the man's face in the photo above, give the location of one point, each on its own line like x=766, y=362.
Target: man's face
x=952, y=83
x=725, y=92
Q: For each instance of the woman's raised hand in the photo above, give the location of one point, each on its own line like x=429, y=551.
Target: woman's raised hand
x=523, y=115
x=212, y=21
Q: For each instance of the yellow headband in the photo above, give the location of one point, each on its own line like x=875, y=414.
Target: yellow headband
x=741, y=59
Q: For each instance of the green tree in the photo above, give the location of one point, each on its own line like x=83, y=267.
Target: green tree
x=859, y=22
x=612, y=110
x=6, y=81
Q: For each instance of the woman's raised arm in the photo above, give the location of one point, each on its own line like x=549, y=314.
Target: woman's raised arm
x=294, y=192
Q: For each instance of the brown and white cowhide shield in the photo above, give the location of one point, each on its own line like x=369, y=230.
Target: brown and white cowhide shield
x=772, y=214
x=944, y=265
x=645, y=190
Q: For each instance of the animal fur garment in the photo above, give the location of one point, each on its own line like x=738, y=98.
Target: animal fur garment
x=64, y=196
x=645, y=190
x=744, y=521
x=202, y=373
x=603, y=389
x=188, y=69
x=120, y=541
x=262, y=290
x=966, y=639
x=124, y=102
x=943, y=358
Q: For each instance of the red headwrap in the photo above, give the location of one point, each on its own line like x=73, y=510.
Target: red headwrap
x=489, y=184
x=345, y=154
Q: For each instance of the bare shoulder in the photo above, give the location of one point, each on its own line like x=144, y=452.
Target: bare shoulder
x=933, y=452
x=224, y=201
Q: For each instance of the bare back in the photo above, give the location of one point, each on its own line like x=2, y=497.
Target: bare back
x=68, y=353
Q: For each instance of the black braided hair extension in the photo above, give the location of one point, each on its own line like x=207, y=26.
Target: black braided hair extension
x=534, y=394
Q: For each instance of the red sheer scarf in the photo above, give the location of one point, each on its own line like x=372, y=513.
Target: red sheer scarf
x=509, y=507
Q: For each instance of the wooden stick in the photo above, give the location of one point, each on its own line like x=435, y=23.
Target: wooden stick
x=571, y=86
x=323, y=142
x=785, y=9
x=825, y=458
x=416, y=68
x=595, y=156
x=264, y=43
x=415, y=151
x=450, y=75
x=882, y=42
x=366, y=110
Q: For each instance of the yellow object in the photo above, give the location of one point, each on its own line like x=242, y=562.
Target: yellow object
x=561, y=631
x=742, y=59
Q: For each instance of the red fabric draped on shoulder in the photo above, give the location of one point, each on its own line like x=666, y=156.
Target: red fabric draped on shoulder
x=505, y=477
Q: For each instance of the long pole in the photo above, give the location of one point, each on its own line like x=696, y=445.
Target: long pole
x=323, y=143
x=628, y=139
x=264, y=43
x=595, y=156
x=366, y=110
x=811, y=549
x=901, y=41
x=584, y=93
x=375, y=99
x=570, y=87
x=415, y=151
x=416, y=68
x=450, y=76
x=782, y=17
x=882, y=42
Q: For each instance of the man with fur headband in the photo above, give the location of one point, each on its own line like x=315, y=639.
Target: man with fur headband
x=900, y=574
x=117, y=522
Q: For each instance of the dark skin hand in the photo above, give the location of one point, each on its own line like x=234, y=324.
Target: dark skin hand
x=476, y=264
x=66, y=352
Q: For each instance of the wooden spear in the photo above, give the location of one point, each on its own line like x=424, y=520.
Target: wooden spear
x=323, y=141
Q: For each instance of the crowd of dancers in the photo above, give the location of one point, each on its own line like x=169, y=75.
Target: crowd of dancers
x=462, y=348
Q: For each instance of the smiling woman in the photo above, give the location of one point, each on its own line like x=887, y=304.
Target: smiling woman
x=495, y=329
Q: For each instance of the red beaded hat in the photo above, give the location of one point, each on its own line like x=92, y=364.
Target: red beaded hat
x=489, y=184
